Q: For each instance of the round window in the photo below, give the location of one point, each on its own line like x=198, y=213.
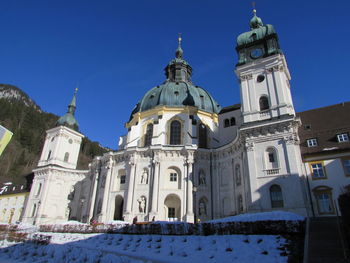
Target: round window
x=70, y=141
x=260, y=78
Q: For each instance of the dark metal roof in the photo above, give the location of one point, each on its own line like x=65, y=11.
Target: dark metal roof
x=230, y=108
x=22, y=187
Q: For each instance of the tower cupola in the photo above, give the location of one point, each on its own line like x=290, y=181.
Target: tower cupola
x=261, y=41
x=256, y=21
x=68, y=119
x=178, y=70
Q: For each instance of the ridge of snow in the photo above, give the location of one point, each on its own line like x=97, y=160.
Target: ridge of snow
x=263, y=216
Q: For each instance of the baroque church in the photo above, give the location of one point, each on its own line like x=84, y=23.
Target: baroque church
x=185, y=158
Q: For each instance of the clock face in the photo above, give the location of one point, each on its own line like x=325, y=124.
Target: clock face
x=256, y=53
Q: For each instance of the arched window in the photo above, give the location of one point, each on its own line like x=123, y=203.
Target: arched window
x=149, y=134
x=175, y=133
x=174, y=178
x=66, y=157
x=202, y=136
x=233, y=121
x=264, y=103
x=226, y=123
x=49, y=155
x=276, y=196
x=38, y=189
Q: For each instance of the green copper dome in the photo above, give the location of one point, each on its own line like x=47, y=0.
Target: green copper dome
x=178, y=90
x=68, y=119
x=257, y=31
x=179, y=94
x=261, y=38
x=256, y=21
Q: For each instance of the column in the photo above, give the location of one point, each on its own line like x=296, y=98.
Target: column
x=154, y=206
x=189, y=199
x=93, y=201
x=106, y=193
x=129, y=199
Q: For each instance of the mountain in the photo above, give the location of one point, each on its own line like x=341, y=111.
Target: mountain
x=11, y=92
x=21, y=115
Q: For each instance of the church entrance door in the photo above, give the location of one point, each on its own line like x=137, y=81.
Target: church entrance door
x=118, y=210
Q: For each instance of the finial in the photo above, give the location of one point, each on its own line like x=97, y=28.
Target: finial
x=255, y=22
x=179, y=51
x=254, y=10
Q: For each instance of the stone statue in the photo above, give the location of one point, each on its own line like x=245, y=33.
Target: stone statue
x=67, y=213
x=202, y=180
x=144, y=177
x=202, y=209
x=142, y=204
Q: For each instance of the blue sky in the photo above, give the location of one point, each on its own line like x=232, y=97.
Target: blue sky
x=117, y=50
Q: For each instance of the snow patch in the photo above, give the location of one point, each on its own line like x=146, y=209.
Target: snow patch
x=265, y=216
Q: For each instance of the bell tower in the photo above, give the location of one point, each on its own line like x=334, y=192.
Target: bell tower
x=62, y=143
x=263, y=73
x=270, y=127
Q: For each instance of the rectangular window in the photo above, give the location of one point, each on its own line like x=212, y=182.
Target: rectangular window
x=311, y=142
x=346, y=165
x=173, y=177
x=122, y=179
x=317, y=171
x=171, y=212
x=271, y=158
x=343, y=137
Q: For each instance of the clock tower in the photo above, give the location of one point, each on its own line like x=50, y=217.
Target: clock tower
x=263, y=74
x=270, y=127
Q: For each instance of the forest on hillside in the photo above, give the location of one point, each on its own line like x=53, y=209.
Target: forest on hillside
x=29, y=125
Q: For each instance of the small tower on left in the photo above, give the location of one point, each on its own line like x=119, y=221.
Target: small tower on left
x=56, y=175
x=62, y=143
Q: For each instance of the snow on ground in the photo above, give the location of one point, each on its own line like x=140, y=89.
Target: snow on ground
x=121, y=248
x=115, y=248
x=250, y=217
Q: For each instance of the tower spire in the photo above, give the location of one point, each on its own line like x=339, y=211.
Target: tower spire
x=72, y=106
x=68, y=119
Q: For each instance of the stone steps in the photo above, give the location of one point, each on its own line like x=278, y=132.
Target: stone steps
x=325, y=241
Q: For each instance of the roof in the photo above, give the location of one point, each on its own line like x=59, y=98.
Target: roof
x=230, y=108
x=255, y=34
x=179, y=94
x=9, y=188
x=68, y=119
x=324, y=124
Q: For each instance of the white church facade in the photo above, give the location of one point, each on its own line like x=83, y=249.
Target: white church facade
x=184, y=158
